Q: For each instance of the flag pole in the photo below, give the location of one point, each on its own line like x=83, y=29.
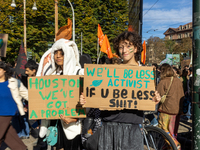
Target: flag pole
x=81, y=44
x=97, y=46
x=97, y=50
x=98, y=57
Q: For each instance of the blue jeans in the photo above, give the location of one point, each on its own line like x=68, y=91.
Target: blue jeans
x=152, y=119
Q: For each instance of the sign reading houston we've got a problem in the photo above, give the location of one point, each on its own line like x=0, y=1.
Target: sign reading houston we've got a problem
x=50, y=96
x=119, y=87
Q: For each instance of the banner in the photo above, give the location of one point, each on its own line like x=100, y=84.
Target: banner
x=111, y=87
x=175, y=58
x=21, y=62
x=50, y=96
x=3, y=44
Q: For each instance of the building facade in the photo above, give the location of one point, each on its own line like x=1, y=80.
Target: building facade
x=183, y=31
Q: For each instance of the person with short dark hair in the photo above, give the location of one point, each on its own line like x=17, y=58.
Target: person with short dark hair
x=31, y=68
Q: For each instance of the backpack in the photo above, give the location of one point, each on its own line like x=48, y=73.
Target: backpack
x=85, y=59
x=52, y=135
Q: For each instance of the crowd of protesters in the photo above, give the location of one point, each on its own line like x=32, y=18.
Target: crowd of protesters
x=112, y=129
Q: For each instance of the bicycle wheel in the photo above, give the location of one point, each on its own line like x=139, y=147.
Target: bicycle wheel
x=157, y=139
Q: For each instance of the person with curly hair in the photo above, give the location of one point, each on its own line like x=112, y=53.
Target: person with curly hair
x=120, y=128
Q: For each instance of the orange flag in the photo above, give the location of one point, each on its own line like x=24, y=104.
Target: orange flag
x=143, y=54
x=100, y=35
x=106, y=47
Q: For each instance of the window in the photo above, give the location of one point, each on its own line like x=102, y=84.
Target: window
x=180, y=28
x=179, y=36
x=186, y=35
x=170, y=37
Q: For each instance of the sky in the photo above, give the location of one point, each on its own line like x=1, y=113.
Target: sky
x=163, y=15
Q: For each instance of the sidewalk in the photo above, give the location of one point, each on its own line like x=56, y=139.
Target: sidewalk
x=184, y=137
x=185, y=134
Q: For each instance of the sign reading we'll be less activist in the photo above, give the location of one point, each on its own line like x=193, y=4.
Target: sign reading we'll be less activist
x=50, y=96
x=111, y=87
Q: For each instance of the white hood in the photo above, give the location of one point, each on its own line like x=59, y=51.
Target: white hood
x=71, y=59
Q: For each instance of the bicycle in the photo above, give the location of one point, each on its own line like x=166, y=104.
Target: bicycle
x=157, y=139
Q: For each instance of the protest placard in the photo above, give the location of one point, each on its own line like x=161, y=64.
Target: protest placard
x=110, y=87
x=50, y=96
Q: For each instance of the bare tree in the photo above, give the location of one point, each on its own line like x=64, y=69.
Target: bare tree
x=156, y=50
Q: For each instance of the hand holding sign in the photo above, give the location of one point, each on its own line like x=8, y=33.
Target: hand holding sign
x=82, y=99
x=67, y=120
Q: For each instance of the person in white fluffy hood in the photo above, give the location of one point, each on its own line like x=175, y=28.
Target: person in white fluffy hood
x=62, y=59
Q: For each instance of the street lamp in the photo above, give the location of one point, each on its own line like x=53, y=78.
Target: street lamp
x=13, y=3
x=73, y=20
x=56, y=19
x=34, y=8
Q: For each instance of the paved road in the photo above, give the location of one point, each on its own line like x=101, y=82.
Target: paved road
x=184, y=137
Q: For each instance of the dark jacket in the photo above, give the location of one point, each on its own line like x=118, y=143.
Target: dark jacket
x=173, y=102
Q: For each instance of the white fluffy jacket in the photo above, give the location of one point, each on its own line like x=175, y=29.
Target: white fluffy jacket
x=70, y=67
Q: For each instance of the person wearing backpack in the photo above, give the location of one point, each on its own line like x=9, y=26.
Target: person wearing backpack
x=10, y=98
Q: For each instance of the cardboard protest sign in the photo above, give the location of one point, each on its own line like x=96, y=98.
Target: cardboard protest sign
x=50, y=96
x=110, y=87
x=3, y=44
